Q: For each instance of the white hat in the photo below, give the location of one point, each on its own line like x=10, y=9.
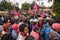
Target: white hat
x=31, y=20
x=48, y=18
x=35, y=20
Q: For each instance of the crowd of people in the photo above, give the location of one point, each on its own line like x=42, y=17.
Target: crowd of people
x=38, y=26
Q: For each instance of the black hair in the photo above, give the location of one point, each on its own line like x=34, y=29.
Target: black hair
x=34, y=23
x=5, y=21
x=36, y=28
x=44, y=21
x=7, y=37
x=51, y=22
x=21, y=27
x=25, y=21
x=12, y=21
x=29, y=38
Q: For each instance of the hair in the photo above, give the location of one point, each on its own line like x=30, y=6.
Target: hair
x=21, y=27
x=44, y=21
x=7, y=37
x=25, y=21
x=13, y=21
x=5, y=21
x=51, y=22
x=29, y=38
x=34, y=23
x=36, y=29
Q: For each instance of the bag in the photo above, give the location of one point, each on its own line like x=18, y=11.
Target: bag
x=7, y=36
x=14, y=34
x=42, y=34
x=53, y=35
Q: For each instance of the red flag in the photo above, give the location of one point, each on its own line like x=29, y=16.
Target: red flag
x=35, y=7
x=15, y=12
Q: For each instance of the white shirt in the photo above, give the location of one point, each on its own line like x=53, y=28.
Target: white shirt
x=20, y=37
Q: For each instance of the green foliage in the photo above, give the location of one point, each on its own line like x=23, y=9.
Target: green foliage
x=5, y=5
x=56, y=7
x=25, y=6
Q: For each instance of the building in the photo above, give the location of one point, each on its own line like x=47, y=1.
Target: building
x=45, y=3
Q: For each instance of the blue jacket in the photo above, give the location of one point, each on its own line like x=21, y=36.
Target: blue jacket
x=45, y=31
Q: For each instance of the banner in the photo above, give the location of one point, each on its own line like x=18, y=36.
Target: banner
x=35, y=7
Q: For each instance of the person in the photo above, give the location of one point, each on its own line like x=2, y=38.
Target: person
x=46, y=30
x=10, y=27
x=1, y=29
x=35, y=23
x=40, y=22
x=6, y=25
x=35, y=33
x=15, y=30
x=29, y=38
x=23, y=28
x=49, y=33
x=1, y=21
x=7, y=36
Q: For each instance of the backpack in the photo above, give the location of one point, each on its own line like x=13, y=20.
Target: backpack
x=7, y=36
x=42, y=34
x=53, y=35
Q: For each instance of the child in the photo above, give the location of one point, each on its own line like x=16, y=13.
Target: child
x=23, y=32
x=35, y=33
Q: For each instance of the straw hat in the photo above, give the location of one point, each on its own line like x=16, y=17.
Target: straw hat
x=48, y=18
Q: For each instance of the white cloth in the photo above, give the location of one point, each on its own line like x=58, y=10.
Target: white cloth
x=1, y=28
x=20, y=37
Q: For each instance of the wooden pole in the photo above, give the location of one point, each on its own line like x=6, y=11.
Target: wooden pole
x=53, y=6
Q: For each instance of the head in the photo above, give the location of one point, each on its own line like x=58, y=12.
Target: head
x=6, y=21
x=13, y=21
x=35, y=23
x=7, y=37
x=29, y=38
x=37, y=29
x=23, y=28
x=51, y=22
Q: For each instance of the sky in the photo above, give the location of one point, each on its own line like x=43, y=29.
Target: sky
x=30, y=1
x=21, y=1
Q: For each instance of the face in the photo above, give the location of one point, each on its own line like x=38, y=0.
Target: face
x=36, y=24
x=26, y=30
x=38, y=31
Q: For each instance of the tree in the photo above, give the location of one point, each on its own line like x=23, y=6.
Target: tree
x=56, y=7
x=5, y=5
x=25, y=6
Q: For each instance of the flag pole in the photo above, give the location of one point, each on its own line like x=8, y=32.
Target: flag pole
x=14, y=3
x=53, y=6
